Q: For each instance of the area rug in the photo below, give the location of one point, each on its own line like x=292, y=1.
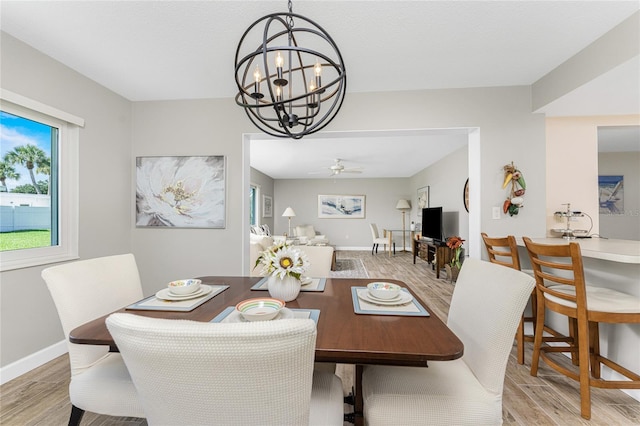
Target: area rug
x=349, y=268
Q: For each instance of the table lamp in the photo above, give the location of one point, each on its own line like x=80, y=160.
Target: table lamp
x=403, y=205
x=289, y=213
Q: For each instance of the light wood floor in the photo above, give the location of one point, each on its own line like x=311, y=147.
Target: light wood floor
x=40, y=397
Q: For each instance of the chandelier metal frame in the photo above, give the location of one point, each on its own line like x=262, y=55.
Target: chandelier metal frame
x=304, y=87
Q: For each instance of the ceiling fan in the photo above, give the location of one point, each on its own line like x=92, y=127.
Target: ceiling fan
x=337, y=167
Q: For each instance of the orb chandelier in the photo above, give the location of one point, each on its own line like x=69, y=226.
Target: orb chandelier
x=290, y=75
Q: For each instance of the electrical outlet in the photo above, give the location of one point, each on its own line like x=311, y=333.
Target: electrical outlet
x=496, y=213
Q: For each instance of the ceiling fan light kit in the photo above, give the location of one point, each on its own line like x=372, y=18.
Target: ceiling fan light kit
x=338, y=168
x=287, y=87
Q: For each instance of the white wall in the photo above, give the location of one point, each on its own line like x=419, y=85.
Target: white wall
x=29, y=321
x=381, y=196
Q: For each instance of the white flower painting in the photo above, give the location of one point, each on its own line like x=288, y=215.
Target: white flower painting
x=180, y=192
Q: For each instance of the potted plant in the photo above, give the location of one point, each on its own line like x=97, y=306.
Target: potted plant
x=284, y=265
x=453, y=267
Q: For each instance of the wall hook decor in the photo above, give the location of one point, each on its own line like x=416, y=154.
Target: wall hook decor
x=514, y=181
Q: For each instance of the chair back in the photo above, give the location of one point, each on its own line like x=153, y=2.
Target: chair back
x=559, y=272
x=486, y=308
x=189, y=372
x=374, y=231
x=502, y=250
x=88, y=289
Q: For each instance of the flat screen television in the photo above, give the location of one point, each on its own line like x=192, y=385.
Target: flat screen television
x=432, y=223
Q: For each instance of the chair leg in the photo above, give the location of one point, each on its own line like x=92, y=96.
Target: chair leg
x=539, y=329
x=76, y=415
x=520, y=341
x=394, y=248
x=594, y=349
x=372, y=249
x=573, y=327
x=583, y=359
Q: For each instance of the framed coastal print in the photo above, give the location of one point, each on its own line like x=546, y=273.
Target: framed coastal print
x=423, y=199
x=267, y=206
x=341, y=206
x=181, y=192
x=611, y=194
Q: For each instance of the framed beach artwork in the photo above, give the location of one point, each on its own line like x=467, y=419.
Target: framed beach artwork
x=611, y=194
x=341, y=206
x=181, y=192
x=423, y=199
x=267, y=206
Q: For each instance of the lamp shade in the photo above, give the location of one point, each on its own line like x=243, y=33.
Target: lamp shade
x=288, y=212
x=403, y=205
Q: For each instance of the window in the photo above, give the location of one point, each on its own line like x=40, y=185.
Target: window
x=38, y=183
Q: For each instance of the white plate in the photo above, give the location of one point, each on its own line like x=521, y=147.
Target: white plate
x=236, y=316
x=393, y=299
x=404, y=299
x=165, y=293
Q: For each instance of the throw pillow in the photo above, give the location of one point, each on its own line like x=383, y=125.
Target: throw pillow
x=305, y=231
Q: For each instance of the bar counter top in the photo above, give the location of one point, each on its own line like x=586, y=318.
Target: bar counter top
x=623, y=251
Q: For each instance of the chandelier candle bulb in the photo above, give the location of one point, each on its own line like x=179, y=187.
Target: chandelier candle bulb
x=317, y=69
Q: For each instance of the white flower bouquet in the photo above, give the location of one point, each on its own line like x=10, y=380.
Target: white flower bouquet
x=282, y=260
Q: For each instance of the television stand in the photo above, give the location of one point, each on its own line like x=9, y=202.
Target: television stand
x=436, y=254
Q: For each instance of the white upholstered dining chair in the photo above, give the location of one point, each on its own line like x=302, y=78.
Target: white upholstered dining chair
x=83, y=291
x=377, y=240
x=257, y=373
x=486, y=308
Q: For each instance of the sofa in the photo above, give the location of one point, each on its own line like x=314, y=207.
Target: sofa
x=307, y=234
x=320, y=257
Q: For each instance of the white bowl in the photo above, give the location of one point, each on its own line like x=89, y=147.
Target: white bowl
x=383, y=290
x=181, y=287
x=260, y=309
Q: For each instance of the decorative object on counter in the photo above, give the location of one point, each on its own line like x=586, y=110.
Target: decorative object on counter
x=303, y=88
x=453, y=267
x=567, y=232
x=514, y=179
x=285, y=265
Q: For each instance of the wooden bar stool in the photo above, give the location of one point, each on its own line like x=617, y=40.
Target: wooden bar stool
x=561, y=288
x=504, y=251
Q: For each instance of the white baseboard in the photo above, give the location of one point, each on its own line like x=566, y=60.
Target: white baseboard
x=28, y=363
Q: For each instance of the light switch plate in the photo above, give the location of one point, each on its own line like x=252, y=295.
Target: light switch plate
x=496, y=213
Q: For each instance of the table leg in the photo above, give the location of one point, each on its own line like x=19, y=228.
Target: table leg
x=390, y=241
x=358, y=408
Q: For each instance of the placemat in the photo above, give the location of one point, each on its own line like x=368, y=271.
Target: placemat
x=317, y=284
x=413, y=308
x=152, y=303
x=231, y=315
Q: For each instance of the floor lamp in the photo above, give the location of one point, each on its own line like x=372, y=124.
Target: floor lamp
x=289, y=213
x=403, y=205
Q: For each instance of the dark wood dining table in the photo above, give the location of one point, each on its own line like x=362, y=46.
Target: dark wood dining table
x=343, y=336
